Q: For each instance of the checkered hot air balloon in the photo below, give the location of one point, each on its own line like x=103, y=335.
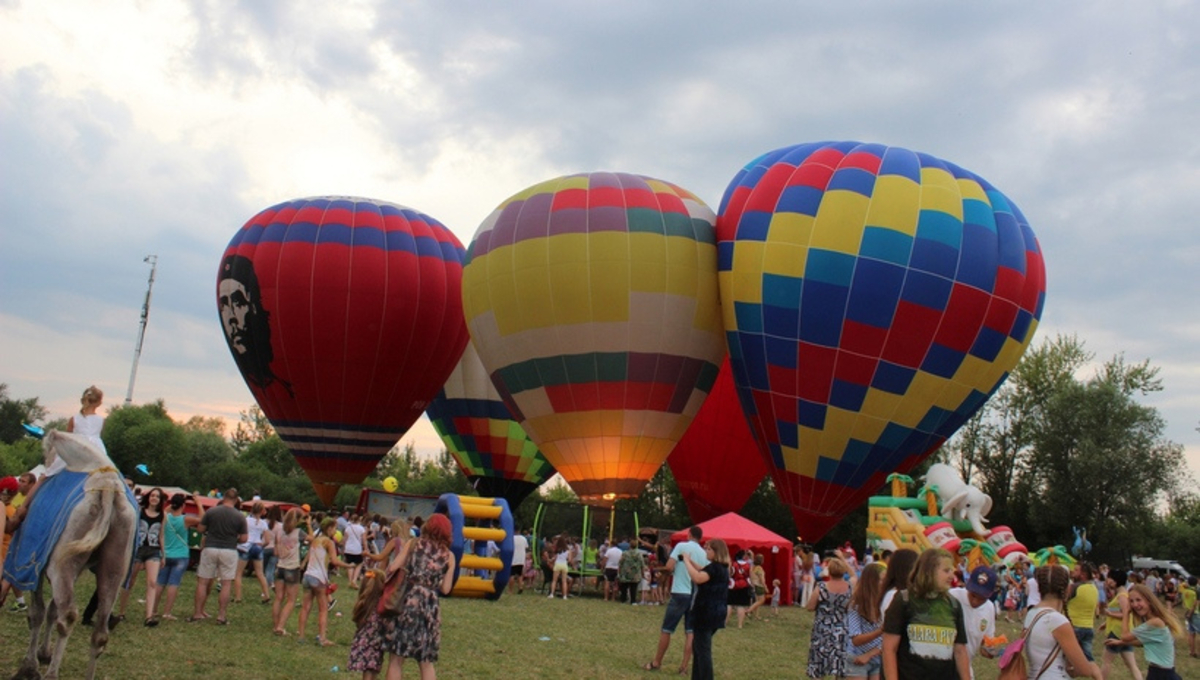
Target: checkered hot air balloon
x=873, y=299
x=490, y=447
x=344, y=316
x=592, y=300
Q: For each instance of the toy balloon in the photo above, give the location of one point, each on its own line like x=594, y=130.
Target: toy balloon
x=873, y=299
x=390, y=485
x=717, y=465
x=344, y=317
x=592, y=301
x=493, y=451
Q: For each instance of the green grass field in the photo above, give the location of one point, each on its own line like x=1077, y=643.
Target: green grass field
x=527, y=636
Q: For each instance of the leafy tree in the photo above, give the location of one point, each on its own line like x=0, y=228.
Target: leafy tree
x=659, y=505
x=146, y=434
x=995, y=446
x=271, y=453
x=252, y=427
x=1099, y=458
x=203, y=449
x=19, y=456
x=13, y=412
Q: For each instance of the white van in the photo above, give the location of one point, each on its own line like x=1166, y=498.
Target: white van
x=1163, y=566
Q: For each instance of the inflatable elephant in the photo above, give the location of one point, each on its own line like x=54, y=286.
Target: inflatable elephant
x=960, y=500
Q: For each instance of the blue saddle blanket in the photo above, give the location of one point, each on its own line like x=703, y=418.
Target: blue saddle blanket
x=44, y=524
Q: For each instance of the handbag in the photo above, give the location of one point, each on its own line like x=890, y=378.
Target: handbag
x=1012, y=662
x=395, y=589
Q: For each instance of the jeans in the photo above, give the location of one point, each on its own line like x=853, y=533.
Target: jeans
x=702, y=663
x=1086, y=636
x=269, y=561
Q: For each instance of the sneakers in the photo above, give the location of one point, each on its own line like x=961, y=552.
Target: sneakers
x=18, y=607
x=332, y=604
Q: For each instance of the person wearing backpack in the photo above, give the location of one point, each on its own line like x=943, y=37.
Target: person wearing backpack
x=1050, y=645
x=741, y=591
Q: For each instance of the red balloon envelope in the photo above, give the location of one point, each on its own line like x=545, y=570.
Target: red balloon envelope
x=344, y=316
x=717, y=464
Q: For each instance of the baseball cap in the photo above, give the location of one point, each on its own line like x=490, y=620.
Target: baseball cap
x=9, y=484
x=982, y=582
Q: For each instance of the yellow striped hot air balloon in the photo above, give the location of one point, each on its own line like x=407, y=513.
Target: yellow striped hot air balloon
x=592, y=301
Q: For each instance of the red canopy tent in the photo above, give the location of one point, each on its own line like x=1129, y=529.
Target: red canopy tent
x=740, y=533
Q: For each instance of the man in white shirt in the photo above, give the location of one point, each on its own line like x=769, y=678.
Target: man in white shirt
x=517, y=568
x=979, y=613
x=612, y=560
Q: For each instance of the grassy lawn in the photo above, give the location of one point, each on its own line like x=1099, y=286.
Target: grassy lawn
x=527, y=636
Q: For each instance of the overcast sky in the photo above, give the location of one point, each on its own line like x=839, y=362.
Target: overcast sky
x=137, y=128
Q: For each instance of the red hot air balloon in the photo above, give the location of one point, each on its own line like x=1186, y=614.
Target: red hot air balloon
x=873, y=299
x=344, y=316
x=717, y=464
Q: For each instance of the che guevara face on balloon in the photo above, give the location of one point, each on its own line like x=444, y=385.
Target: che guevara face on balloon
x=246, y=324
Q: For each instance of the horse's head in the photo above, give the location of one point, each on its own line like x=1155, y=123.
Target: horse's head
x=77, y=452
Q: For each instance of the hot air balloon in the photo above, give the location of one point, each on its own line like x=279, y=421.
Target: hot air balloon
x=493, y=451
x=344, y=317
x=873, y=299
x=717, y=465
x=592, y=300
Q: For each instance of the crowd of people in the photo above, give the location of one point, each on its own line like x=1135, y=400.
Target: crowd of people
x=899, y=616
x=910, y=615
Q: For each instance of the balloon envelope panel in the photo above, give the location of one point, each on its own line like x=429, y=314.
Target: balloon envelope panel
x=477, y=429
x=344, y=316
x=592, y=301
x=717, y=464
x=873, y=298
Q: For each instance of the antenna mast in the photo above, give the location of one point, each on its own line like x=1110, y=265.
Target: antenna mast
x=152, y=260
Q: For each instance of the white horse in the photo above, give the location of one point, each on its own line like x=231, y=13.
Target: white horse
x=100, y=530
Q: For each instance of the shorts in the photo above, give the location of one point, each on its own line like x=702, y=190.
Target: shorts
x=760, y=590
x=680, y=607
x=312, y=582
x=561, y=568
x=171, y=572
x=349, y=558
x=610, y=575
x=873, y=666
x=1194, y=623
x=148, y=553
x=218, y=563
x=251, y=554
x=1118, y=649
x=288, y=576
x=517, y=570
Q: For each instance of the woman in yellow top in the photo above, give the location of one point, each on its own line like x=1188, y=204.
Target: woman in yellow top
x=1117, y=612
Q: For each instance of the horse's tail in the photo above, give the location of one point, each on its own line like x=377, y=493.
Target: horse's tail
x=106, y=499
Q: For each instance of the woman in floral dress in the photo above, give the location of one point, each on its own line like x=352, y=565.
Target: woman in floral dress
x=417, y=632
x=830, y=601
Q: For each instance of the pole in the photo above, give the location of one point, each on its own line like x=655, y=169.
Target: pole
x=152, y=260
